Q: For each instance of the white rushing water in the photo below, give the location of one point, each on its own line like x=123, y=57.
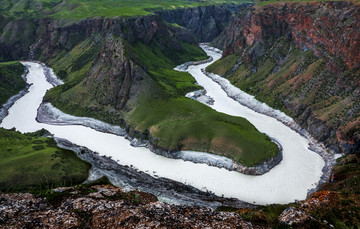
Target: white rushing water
x=299, y=171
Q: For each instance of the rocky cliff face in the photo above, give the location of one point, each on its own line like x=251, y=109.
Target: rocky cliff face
x=23, y=37
x=303, y=59
x=329, y=29
x=17, y=36
x=205, y=23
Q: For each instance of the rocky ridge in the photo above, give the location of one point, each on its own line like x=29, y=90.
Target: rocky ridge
x=105, y=206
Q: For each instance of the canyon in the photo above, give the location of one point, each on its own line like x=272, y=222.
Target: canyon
x=302, y=59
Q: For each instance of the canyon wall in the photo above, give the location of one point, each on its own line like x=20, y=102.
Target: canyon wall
x=205, y=23
x=303, y=59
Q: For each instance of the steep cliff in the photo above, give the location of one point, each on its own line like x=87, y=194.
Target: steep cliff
x=302, y=59
x=205, y=23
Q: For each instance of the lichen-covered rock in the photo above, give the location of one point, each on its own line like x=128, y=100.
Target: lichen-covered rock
x=293, y=215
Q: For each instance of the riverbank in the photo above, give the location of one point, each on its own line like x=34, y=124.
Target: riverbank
x=130, y=178
x=201, y=96
x=48, y=114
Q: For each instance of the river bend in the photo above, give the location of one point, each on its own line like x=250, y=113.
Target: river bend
x=298, y=172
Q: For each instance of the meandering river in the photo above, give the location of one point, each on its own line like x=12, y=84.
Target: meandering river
x=299, y=171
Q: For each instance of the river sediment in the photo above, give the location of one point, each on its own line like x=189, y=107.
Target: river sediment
x=130, y=178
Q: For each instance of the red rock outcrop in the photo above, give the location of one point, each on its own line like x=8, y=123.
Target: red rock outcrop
x=330, y=29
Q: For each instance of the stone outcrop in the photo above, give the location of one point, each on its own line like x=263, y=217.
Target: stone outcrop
x=317, y=202
x=105, y=206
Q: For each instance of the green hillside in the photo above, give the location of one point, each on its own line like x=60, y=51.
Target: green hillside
x=62, y=9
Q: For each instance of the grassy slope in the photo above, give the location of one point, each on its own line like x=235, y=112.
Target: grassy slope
x=29, y=161
x=10, y=80
x=79, y=9
x=258, y=82
x=222, y=66
x=299, y=75
x=263, y=3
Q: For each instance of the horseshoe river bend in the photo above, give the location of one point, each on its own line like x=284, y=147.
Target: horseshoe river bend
x=175, y=180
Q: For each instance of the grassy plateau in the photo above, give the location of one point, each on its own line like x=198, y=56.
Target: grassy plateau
x=181, y=123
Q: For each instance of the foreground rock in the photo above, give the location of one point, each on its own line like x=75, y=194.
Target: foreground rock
x=303, y=213
x=105, y=206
